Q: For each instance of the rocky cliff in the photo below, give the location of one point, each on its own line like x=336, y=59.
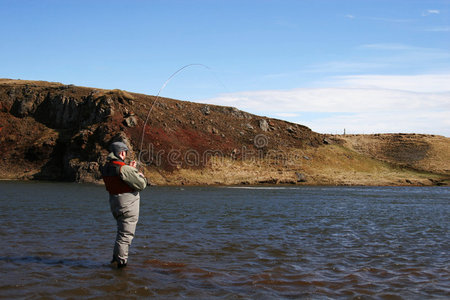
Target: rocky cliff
x=52, y=131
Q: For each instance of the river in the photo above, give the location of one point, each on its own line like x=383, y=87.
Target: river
x=227, y=243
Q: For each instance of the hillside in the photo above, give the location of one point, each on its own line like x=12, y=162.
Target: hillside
x=52, y=131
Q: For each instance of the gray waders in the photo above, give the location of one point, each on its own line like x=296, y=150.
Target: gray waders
x=125, y=209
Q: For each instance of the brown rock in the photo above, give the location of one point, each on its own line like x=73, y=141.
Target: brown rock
x=130, y=121
x=263, y=125
x=300, y=177
x=206, y=110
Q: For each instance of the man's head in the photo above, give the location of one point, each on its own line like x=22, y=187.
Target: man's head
x=119, y=149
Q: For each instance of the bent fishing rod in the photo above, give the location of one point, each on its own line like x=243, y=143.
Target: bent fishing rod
x=156, y=99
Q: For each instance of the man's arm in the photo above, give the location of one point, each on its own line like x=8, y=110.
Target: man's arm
x=135, y=179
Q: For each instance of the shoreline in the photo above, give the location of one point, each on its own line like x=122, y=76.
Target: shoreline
x=262, y=185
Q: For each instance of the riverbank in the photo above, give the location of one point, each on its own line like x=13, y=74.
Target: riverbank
x=52, y=131
x=331, y=165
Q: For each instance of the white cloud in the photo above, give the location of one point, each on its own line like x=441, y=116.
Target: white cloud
x=431, y=12
x=342, y=100
x=388, y=122
x=424, y=83
x=361, y=104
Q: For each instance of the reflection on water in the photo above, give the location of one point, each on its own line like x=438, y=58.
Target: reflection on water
x=198, y=242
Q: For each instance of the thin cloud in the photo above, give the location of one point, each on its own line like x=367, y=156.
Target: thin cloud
x=431, y=12
x=379, y=19
x=383, y=57
x=344, y=66
x=438, y=29
x=408, y=49
x=378, y=58
x=388, y=46
x=424, y=83
x=287, y=115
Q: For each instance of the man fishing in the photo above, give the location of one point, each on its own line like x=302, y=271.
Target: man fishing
x=123, y=182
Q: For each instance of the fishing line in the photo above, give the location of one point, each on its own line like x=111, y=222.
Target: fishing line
x=157, y=97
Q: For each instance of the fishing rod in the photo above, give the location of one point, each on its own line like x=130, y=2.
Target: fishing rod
x=156, y=99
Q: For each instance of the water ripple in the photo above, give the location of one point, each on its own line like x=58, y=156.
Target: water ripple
x=203, y=243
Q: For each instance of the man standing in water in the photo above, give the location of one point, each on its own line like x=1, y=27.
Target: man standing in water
x=123, y=182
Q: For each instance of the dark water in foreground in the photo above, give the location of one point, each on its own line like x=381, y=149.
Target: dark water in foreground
x=230, y=243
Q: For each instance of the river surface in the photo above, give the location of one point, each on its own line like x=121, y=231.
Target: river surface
x=228, y=243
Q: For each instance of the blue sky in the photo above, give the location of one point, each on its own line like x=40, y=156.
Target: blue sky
x=365, y=65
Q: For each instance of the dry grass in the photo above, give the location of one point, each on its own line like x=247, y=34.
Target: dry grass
x=6, y=81
x=434, y=157
x=325, y=165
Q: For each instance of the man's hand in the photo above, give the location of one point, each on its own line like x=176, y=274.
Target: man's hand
x=133, y=164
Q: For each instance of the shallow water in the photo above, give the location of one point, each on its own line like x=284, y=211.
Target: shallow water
x=221, y=242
